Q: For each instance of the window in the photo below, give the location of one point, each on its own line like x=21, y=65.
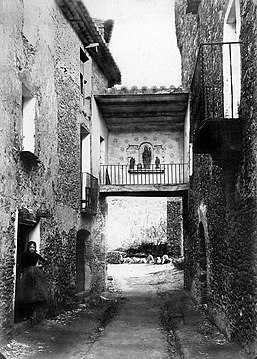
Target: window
x=85, y=158
x=192, y=6
x=83, y=81
x=28, y=120
x=85, y=150
x=102, y=151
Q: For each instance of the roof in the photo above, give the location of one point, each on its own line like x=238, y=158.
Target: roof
x=85, y=27
x=134, y=90
x=106, y=28
x=144, y=109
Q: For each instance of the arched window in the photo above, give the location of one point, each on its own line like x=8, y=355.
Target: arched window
x=232, y=60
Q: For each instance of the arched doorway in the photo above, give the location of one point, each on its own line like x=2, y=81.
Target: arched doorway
x=202, y=264
x=83, y=261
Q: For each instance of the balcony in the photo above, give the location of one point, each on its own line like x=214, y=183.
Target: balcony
x=89, y=193
x=123, y=178
x=215, y=97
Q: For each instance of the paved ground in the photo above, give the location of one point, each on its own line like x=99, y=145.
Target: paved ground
x=137, y=331
x=149, y=316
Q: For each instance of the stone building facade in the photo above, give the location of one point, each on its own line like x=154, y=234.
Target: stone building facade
x=50, y=131
x=220, y=234
x=174, y=227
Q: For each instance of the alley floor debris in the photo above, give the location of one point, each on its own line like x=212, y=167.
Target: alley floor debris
x=67, y=336
x=145, y=314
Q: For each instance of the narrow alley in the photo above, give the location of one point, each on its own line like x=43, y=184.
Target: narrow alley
x=144, y=314
x=128, y=179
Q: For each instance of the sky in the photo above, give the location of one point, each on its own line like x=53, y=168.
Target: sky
x=143, y=41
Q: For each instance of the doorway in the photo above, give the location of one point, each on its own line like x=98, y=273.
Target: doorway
x=83, y=261
x=28, y=230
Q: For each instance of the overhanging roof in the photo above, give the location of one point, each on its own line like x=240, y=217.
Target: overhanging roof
x=144, y=109
x=81, y=21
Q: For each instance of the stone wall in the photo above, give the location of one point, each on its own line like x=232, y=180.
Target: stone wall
x=174, y=227
x=99, y=81
x=98, y=236
x=222, y=198
x=42, y=52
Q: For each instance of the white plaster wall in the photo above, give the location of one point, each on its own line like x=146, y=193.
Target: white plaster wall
x=99, y=129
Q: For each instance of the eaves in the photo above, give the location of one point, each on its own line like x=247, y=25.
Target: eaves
x=78, y=16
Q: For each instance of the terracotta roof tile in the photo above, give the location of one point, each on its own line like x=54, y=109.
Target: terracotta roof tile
x=134, y=90
x=80, y=19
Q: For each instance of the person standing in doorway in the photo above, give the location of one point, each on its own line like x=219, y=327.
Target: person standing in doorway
x=34, y=287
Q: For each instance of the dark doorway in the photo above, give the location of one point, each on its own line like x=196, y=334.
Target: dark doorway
x=25, y=233
x=81, y=259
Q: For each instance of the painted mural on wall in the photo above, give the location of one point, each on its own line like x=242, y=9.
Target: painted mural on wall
x=145, y=151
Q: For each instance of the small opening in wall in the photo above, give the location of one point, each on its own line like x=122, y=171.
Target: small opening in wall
x=28, y=120
x=27, y=153
x=83, y=60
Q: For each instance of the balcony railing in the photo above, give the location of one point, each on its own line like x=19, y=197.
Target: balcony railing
x=216, y=83
x=164, y=174
x=89, y=193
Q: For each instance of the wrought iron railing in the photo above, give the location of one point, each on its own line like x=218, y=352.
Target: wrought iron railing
x=164, y=174
x=216, y=83
x=89, y=193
